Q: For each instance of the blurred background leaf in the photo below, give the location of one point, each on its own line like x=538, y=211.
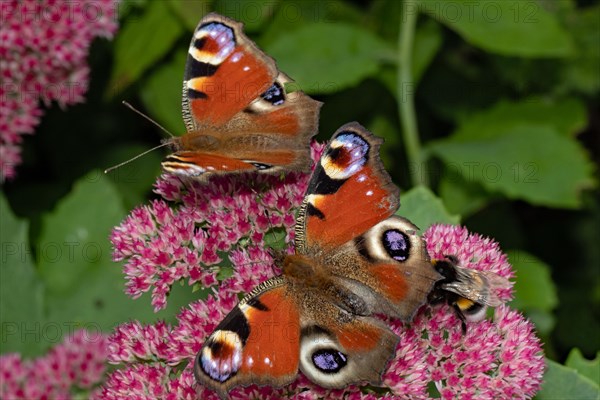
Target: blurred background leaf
x=529, y=162
x=520, y=28
x=161, y=94
x=323, y=66
x=21, y=311
x=587, y=368
x=423, y=208
x=562, y=382
x=535, y=292
x=141, y=42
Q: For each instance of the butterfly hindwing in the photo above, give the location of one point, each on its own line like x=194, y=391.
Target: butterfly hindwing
x=392, y=262
x=258, y=342
x=339, y=349
x=281, y=328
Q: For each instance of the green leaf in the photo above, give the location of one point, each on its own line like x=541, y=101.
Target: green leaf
x=141, y=42
x=461, y=193
x=290, y=16
x=161, y=94
x=253, y=14
x=562, y=382
x=21, y=293
x=581, y=71
x=460, y=196
x=423, y=208
x=275, y=239
x=74, y=236
x=84, y=287
x=585, y=367
x=567, y=116
x=535, y=292
x=225, y=272
x=534, y=286
x=127, y=7
x=333, y=56
x=517, y=28
x=341, y=10
x=190, y=12
x=534, y=163
x=384, y=17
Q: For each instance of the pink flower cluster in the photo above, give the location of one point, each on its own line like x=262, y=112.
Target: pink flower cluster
x=43, y=50
x=219, y=232
x=208, y=234
x=225, y=219
x=497, y=359
x=77, y=364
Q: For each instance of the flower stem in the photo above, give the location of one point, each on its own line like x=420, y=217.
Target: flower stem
x=405, y=94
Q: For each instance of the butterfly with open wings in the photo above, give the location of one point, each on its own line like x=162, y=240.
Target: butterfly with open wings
x=238, y=115
x=353, y=258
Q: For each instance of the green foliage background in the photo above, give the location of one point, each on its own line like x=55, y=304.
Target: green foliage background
x=490, y=114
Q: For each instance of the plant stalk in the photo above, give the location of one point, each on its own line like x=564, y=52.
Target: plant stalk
x=405, y=94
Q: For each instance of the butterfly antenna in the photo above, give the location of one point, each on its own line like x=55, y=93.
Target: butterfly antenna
x=107, y=170
x=132, y=108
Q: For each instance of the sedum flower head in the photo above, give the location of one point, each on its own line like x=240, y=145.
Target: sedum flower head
x=78, y=363
x=497, y=358
x=225, y=227
x=43, y=49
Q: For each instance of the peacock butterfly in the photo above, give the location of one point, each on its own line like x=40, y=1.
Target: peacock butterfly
x=237, y=112
x=353, y=258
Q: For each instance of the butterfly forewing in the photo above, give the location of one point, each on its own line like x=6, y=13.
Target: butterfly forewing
x=349, y=191
x=224, y=73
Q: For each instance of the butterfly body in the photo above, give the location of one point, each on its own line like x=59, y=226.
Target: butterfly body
x=353, y=260
x=236, y=110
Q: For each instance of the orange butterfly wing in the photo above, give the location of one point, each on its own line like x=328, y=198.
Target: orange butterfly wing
x=224, y=73
x=258, y=342
x=349, y=192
